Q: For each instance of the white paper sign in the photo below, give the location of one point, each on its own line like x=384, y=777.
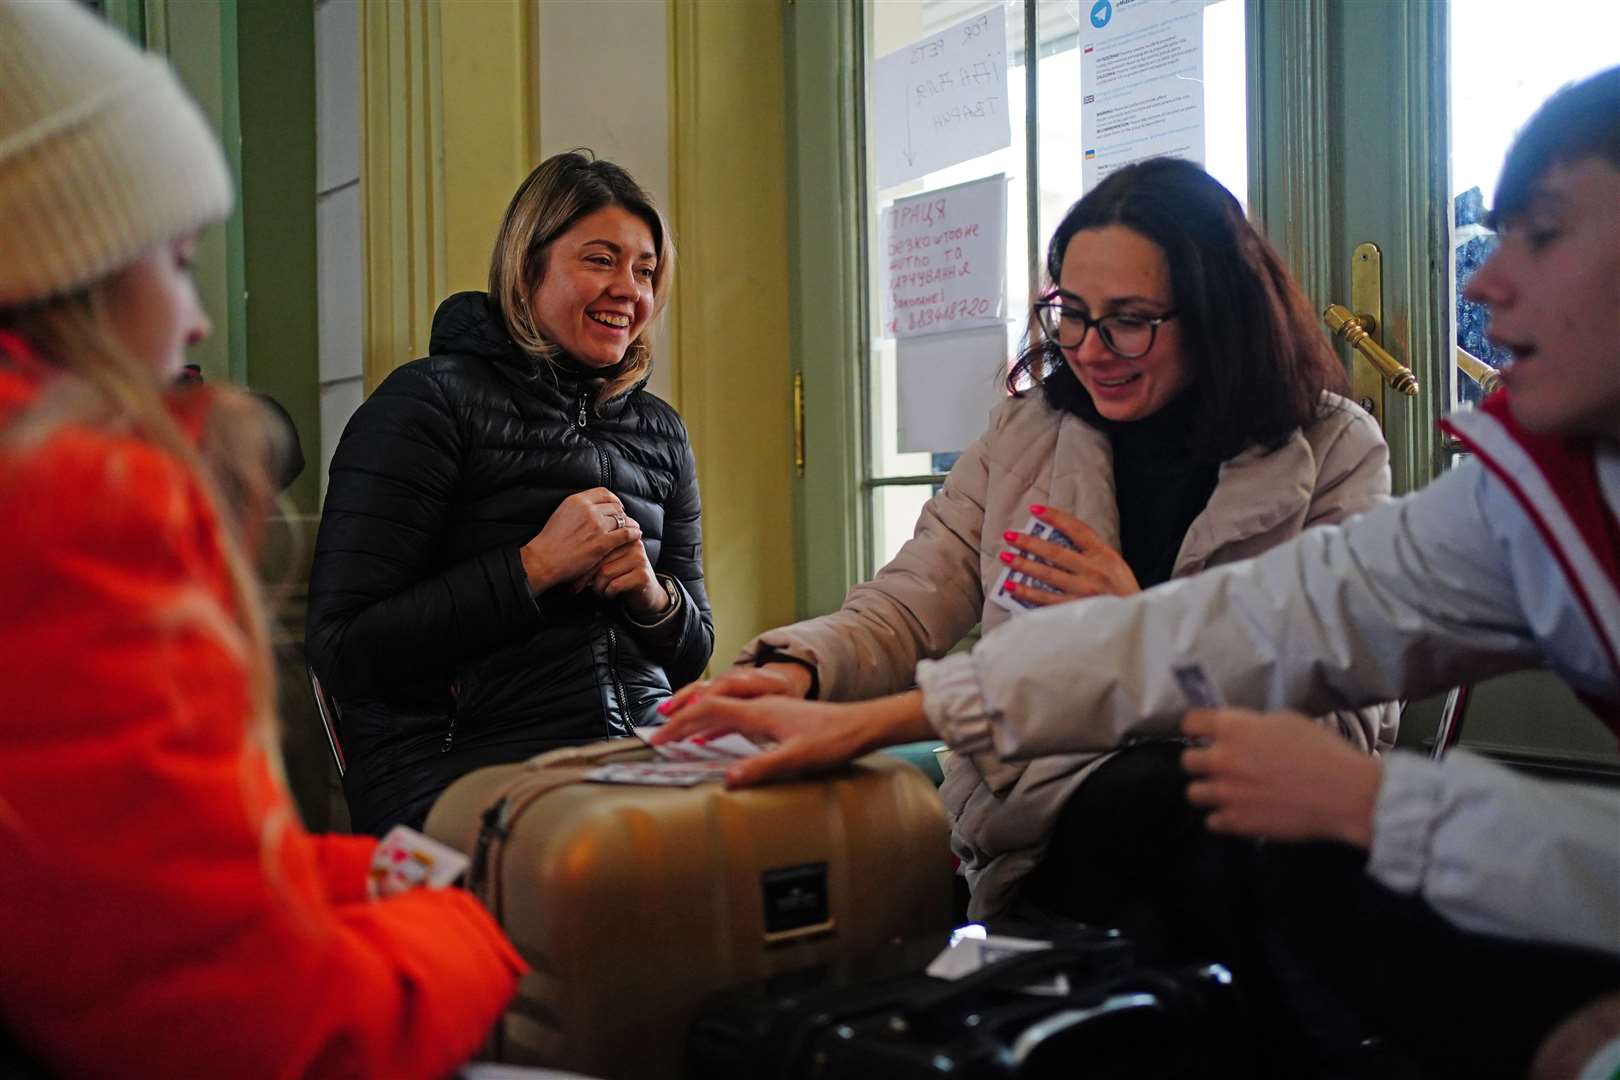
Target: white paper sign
x=945, y=259
x=942, y=99
x=1141, y=83
x=948, y=383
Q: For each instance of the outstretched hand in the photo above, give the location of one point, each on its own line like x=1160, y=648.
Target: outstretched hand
x=1279, y=776
x=745, y=681
x=809, y=735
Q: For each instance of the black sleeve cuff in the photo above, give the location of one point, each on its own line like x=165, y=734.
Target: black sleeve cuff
x=772, y=655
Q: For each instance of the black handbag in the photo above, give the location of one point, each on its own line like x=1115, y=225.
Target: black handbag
x=882, y=1016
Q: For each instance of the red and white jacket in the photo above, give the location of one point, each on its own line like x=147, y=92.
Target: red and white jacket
x=1506, y=562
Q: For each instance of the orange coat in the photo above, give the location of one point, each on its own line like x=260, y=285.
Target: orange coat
x=162, y=911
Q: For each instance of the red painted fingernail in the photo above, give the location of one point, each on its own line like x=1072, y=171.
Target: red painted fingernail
x=699, y=739
x=666, y=706
x=1009, y=535
x=1006, y=557
x=1037, y=509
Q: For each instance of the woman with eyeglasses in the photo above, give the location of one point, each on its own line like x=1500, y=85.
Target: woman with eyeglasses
x=1177, y=408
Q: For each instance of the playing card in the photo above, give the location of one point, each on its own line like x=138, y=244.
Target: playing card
x=658, y=773
x=1196, y=686
x=405, y=860
x=1041, y=530
x=724, y=748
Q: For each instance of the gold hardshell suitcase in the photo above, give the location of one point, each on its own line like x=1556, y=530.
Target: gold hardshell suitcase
x=633, y=903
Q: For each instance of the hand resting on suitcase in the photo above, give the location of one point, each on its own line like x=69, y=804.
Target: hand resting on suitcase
x=809, y=735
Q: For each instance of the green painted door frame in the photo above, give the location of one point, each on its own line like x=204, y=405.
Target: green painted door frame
x=251, y=66
x=1347, y=123
x=827, y=308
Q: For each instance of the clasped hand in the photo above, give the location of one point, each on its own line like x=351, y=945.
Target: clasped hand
x=592, y=543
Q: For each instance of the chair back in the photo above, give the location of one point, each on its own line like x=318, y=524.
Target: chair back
x=327, y=706
x=1449, y=733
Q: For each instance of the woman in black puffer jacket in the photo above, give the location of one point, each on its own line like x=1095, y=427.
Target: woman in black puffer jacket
x=509, y=558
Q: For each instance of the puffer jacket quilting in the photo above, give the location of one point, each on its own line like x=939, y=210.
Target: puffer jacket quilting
x=420, y=617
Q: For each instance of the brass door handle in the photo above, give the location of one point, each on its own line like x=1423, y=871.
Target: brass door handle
x=1356, y=331
x=1488, y=378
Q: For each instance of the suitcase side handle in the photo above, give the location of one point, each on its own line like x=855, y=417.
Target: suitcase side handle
x=590, y=753
x=1038, y=1034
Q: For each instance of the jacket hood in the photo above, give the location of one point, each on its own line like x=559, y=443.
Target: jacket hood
x=467, y=324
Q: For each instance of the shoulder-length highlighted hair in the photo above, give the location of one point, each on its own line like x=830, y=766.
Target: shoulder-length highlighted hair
x=558, y=193
x=1256, y=357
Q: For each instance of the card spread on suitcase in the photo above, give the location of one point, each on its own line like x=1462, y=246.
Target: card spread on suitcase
x=679, y=764
x=1041, y=531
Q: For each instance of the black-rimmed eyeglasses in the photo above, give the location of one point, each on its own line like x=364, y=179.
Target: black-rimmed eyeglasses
x=1126, y=335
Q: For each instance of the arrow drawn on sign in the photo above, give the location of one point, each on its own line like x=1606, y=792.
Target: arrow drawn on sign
x=911, y=158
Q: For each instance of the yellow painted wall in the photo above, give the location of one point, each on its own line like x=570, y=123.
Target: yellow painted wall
x=488, y=51
x=734, y=383
x=450, y=128
x=447, y=133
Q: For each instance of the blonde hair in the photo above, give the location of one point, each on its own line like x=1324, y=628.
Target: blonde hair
x=106, y=387
x=560, y=191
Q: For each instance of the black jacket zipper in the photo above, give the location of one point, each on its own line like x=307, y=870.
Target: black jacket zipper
x=613, y=638
x=450, y=732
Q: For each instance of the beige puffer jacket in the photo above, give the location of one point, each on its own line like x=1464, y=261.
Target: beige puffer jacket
x=935, y=589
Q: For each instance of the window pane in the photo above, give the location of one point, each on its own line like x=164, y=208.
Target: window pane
x=1226, y=141
x=894, y=517
x=1506, y=59
x=895, y=24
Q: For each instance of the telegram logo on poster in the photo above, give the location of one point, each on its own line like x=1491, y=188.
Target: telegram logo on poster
x=1101, y=12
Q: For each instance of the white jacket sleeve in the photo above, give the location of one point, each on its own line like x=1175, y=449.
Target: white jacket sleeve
x=1498, y=852
x=1402, y=601
x=1449, y=585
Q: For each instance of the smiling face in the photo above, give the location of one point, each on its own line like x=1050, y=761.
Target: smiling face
x=1553, y=288
x=596, y=293
x=1114, y=270
x=153, y=307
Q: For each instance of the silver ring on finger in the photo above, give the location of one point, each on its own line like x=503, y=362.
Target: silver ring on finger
x=618, y=521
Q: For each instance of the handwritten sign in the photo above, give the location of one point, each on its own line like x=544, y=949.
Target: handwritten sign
x=945, y=259
x=942, y=99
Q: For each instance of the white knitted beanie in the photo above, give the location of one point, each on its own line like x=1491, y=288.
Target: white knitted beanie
x=102, y=154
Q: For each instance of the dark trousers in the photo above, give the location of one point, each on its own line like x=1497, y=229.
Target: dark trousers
x=1326, y=955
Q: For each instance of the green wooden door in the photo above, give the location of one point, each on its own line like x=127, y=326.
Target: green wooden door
x=1361, y=106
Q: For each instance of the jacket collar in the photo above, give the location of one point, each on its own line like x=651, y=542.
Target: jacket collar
x=1255, y=492
x=466, y=324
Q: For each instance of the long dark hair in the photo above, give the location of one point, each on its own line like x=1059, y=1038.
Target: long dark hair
x=1255, y=356
x=1579, y=121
